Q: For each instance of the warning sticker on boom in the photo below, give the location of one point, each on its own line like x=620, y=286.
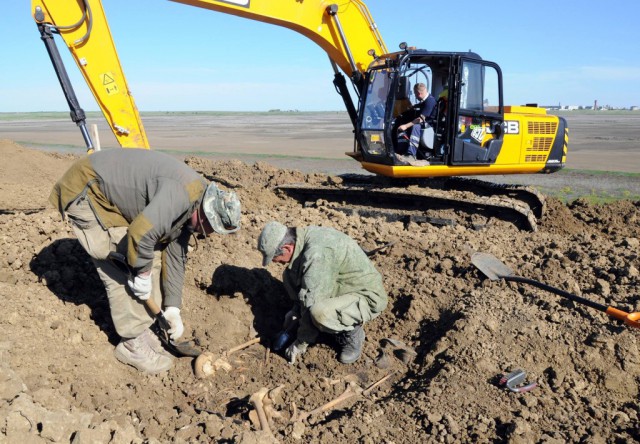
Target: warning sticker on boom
x=109, y=82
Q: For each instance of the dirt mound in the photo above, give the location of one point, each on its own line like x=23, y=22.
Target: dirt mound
x=61, y=383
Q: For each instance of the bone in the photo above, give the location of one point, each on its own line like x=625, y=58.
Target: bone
x=207, y=365
x=274, y=394
x=270, y=411
x=253, y=417
x=269, y=401
x=353, y=379
x=406, y=355
x=267, y=353
x=328, y=382
x=222, y=363
x=243, y=346
x=385, y=342
x=369, y=389
x=294, y=412
x=256, y=400
x=204, y=365
x=350, y=392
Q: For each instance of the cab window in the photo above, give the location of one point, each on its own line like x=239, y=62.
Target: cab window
x=376, y=99
x=480, y=88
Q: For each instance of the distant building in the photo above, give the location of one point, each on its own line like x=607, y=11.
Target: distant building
x=594, y=107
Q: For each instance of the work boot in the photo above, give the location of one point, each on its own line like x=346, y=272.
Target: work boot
x=155, y=343
x=351, y=343
x=139, y=352
x=402, y=159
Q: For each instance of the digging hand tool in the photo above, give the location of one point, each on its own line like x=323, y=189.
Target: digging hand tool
x=495, y=270
x=515, y=381
x=287, y=333
x=162, y=326
x=284, y=338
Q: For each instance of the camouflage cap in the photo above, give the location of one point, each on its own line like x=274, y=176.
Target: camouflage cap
x=222, y=209
x=269, y=240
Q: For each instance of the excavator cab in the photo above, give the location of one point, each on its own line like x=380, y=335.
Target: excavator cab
x=467, y=128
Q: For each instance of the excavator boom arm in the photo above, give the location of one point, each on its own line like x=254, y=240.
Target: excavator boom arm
x=83, y=26
x=345, y=31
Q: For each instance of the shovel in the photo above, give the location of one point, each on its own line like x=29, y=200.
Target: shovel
x=495, y=270
x=162, y=325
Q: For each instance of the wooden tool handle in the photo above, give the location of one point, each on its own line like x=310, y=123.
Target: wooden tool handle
x=151, y=305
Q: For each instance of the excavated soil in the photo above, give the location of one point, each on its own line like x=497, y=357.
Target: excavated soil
x=59, y=380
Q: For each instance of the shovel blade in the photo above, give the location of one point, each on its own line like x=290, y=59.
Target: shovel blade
x=490, y=266
x=187, y=349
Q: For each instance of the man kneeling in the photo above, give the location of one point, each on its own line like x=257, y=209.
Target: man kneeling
x=334, y=285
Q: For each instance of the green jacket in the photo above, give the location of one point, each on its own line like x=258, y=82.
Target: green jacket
x=151, y=193
x=327, y=263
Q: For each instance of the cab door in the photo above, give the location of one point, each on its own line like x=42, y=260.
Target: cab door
x=478, y=114
x=371, y=129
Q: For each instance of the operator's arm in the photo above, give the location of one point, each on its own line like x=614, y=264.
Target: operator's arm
x=418, y=120
x=426, y=109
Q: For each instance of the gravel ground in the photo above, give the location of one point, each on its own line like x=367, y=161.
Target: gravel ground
x=455, y=333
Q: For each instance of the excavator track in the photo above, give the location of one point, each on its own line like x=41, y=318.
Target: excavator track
x=440, y=201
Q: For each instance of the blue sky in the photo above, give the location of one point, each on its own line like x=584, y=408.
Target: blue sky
x=181, y=58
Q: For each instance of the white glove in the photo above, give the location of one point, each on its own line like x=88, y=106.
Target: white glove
x=172, y=315
x=141, y=285
x=295, y=349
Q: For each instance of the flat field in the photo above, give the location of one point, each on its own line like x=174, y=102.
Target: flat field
x=603, y=160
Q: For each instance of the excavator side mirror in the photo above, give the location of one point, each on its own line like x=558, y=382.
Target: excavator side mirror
x=402, y=91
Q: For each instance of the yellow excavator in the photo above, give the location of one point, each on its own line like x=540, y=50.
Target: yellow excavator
x=470, y=132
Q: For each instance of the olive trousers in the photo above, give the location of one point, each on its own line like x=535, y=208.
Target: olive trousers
x=130, y=315
x=342, y=313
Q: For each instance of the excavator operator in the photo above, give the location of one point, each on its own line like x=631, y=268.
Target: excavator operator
x=425, y=110
x=144, y=205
